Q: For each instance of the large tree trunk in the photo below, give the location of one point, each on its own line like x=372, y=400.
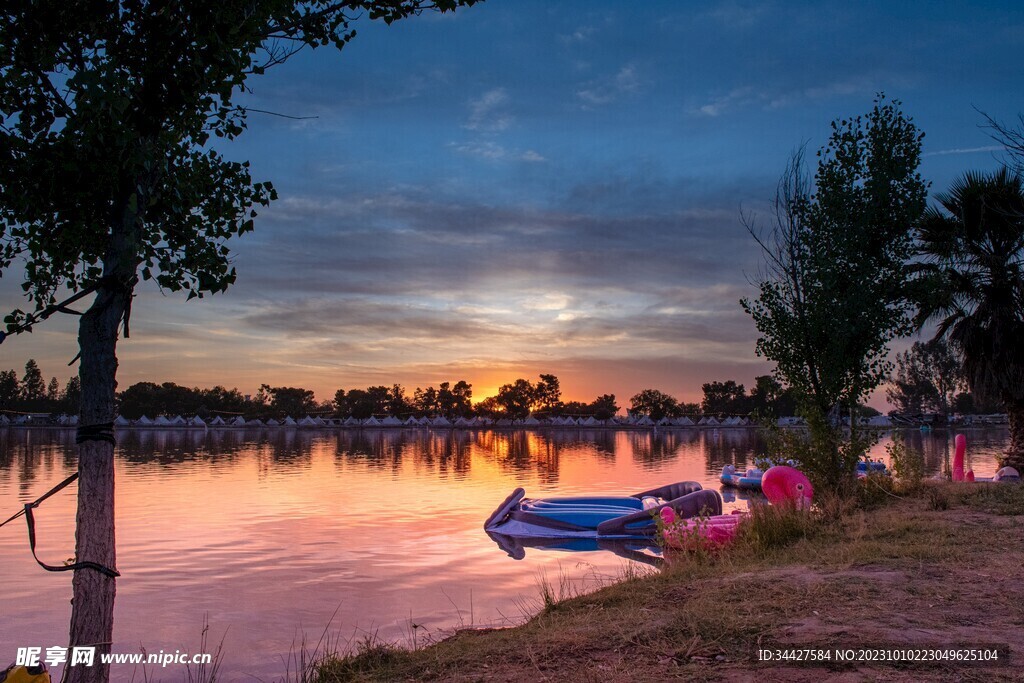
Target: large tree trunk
x=92, y=614
x=1014, y=456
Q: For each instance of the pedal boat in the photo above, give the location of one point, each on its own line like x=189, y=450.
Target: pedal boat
x=599, y=517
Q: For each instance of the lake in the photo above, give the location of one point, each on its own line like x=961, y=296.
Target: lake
x=270, y=533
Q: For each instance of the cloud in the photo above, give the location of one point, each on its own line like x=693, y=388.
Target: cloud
x=580, y=35
x=606, y=90
x=965, y=150
x=487, y=113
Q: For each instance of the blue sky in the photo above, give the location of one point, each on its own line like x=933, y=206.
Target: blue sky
x=529, y=187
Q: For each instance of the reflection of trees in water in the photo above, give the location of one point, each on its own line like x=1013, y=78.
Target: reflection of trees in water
x=652, y=448
x=522, y=451
x=600, y=442
x=936, y=447
x=168, y=447
x=28, y=454
x=444, y=452
x=732, y=446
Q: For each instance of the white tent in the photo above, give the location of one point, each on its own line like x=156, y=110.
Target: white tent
x=351, y=422
x=288, y=421
x=744, y=421
x=712, y=422
x=178, y=421
x=504, y=422
x=371, y=422
x=531, y=421
x=255, y=422
x=120, y=421
x=683, y=422
x=440, y=421
x=307, y=422
x=592, y=422
x=665, y=422
x=463, y=422
x=644, y=421
x=412, y=422
x=319, y=421
x=217, y=421
x=272, y=423
x=197, y=421
x=391, y=421
x=238, y=422
x=162, y=421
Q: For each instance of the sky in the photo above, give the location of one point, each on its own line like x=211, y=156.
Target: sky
x=533, y=187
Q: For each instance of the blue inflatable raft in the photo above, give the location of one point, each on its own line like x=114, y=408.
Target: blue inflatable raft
x=599, y=516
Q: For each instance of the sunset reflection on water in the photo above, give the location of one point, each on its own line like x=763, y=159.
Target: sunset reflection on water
x=268, y=532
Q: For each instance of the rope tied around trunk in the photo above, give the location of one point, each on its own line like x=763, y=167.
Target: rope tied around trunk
x=97, y=434
x=103, y=431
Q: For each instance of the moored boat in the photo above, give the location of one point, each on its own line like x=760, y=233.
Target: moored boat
x=599, y=516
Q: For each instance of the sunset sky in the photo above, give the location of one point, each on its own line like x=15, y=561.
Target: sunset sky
x=530, y=187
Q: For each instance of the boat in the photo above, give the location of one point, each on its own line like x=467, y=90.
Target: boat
x=602, y=517
x=750, y=480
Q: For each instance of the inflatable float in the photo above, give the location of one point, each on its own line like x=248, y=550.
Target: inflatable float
x=750, y=480
x=599, y=516
x=1004, y=474
x=781, y=484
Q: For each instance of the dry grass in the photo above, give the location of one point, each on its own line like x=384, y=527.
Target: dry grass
x=903, y=573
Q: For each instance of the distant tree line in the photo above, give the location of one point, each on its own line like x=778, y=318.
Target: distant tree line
x=32, y=394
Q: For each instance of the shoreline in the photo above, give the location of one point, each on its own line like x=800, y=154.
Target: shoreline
x=938, y=568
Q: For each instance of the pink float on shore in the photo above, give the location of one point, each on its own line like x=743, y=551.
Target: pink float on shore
x=781, y=484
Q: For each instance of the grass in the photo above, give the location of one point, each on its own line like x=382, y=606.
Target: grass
x=902, y=571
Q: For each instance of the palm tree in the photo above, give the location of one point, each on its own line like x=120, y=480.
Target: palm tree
x=971, y=280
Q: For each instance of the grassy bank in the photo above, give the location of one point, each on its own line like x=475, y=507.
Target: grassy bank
x=939, y=567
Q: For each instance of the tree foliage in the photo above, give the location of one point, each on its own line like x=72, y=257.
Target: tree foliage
x=654, y=404
x=833, y=296
x=928, y=377
x=971, y=280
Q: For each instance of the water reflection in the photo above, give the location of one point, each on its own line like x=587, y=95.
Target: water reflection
x=269, y=530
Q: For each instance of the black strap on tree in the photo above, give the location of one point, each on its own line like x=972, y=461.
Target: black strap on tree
x=98, y=432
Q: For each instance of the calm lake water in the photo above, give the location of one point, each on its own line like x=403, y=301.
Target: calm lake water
x=270, y=533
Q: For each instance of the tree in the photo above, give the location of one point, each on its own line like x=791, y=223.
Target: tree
x=462, y=399
x=1012, y=140
x=770, y=399
x=832, y=296
x=516, y=399
x=53, y=392
x=971, y=280
x=291, y=400
x=71, y=397
x=604, y=407
x=724, y=397
x=928, y=377
x=33, y=388
x=106, y=174
x=10, y=389
x=398, y=404
x=654, y=404
x=425, y=401
x=548, y=393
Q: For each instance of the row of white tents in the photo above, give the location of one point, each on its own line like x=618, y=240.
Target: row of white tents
x=440, y=421
x=392, y=421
